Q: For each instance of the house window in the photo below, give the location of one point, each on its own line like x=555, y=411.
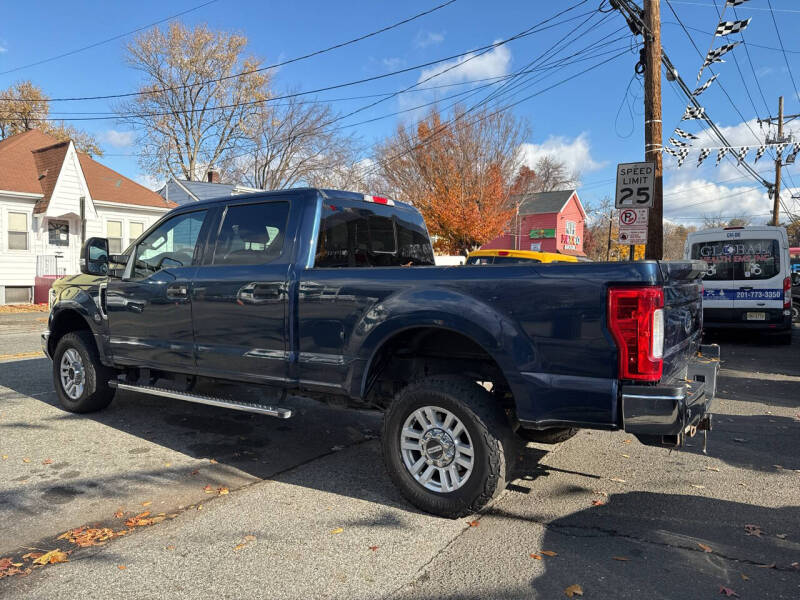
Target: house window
x=18, y=294
x=17, y=231
x=58, y=233
x=569, y=228
x=135, y=230
x=114, y=235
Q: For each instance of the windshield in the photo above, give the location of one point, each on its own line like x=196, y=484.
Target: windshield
x=742, y=260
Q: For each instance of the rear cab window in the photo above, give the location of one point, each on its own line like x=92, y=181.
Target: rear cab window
x=741, y=259
x=363, y=234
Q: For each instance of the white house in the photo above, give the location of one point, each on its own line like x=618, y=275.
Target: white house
x=47, y=188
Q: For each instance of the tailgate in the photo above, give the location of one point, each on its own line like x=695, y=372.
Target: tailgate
x=683, y=314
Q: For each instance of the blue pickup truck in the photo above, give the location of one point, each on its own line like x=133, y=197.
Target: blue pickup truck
x=335, y=296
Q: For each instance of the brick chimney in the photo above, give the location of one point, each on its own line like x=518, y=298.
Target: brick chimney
x=212, y=176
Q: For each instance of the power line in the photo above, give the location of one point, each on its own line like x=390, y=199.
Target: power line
x=105, y=41
x=260, y=69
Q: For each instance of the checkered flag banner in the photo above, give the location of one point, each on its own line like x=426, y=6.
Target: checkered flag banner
x=682, y=154
x=734, y=2
x=669, y=150
x=720, y=154
x=742, y=153
x=729, y=27
x=704, y=152
x=779, y=148
x=693, y=112
x=760, y=152
x=705, y=86
x=715, y=54
x=679, y=143
x=686, y=134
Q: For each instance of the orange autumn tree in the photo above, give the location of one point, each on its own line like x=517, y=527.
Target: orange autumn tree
x=457, y=173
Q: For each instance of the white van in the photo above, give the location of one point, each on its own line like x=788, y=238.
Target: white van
x=747, y=284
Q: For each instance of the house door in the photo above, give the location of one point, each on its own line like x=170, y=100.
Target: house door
x=63, y=241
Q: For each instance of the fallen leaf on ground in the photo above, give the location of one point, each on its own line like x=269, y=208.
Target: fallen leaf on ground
x=704, y=548
x=87, y=536
x=121, y=567
x=52, y=557
x=26, y=460
x=374, y=548
x=223, y=490
x=337, y=531
x=598, y=503
x=618, y=480
x=238, y=547
x=536, y=556
x=626, y=441
x=781, y=535
x=744, y=577
x=573, y=590
x=600, y=493
x=118, y=514
x=5, y=456
x=473, y=523
x=8, y=568
x=213, y=461
x=167, y=464
x=623, y=558
x=712, y=469
x=199, y=507
x=249, y=538
x=769, y=566
x=140, y=520
x=170, y=547
x=698, y=486
x=32, y=555
x=795, y=565
x=726, y=591
x=751, y=529
x=47, y=461
x=208, y=489
x=148, y=503
x=548, y=553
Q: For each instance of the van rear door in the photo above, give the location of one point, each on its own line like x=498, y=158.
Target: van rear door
x=718, y=281
x=758, y=275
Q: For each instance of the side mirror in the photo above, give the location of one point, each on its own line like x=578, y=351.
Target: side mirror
x=94, y=257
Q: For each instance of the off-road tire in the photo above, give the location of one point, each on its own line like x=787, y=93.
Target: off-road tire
x=556, y=435
x=97, y=394
x=488, y=428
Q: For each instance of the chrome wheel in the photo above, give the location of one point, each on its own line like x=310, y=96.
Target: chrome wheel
x=436, y=449
x=73, y=374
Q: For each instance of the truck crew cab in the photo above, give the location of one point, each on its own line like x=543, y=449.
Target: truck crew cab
x=334, y=295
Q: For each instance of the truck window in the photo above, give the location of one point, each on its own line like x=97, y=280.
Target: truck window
x=170, y=245
x=252, y=234
x=742, y=260
x=356, y=236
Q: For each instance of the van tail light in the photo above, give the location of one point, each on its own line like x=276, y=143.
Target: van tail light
x=636, y=322
x=787, y=293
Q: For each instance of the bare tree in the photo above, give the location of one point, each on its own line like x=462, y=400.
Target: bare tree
x=710, y=221
x=293, y=143
x=24, y=106
x=193, y=109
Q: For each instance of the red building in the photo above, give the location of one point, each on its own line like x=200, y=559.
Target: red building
x=548, y=222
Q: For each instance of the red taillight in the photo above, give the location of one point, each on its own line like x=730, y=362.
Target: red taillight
x=787, y=293
x=636, y=321
x=502, y=253
x=378, y=200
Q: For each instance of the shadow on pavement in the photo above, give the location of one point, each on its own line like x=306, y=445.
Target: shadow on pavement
x=659, y=537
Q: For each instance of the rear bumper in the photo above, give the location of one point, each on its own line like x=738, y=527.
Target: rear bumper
x=663, y=415
x=736, y=318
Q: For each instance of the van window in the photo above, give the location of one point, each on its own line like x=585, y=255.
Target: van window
x=356, y=236
x=743, y=260
x=251, y=234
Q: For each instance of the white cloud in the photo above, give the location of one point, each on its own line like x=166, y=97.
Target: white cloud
x=148, y=181
x=689, y=201
x=494, y=63
x=118, y=139
x=428, y=38
x=393, y=63
x=575, y=153
x=3, y=49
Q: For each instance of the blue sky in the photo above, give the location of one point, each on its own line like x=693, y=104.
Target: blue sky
x=592, y=122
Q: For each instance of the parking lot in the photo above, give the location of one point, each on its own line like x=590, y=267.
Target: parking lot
x=258, y=507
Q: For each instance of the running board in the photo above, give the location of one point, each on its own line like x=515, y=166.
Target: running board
x=261, y=409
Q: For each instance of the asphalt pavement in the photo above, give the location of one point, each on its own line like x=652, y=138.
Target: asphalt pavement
x=261, y=508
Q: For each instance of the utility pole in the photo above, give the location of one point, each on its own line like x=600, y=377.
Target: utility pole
x=776, y=191
x=652, y=124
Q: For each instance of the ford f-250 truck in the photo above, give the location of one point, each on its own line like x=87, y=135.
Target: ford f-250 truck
x=334, y=295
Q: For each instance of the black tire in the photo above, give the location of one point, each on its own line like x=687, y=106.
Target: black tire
x=555, y=435
x=484, y=421
x=97, y=394
x=795, y=312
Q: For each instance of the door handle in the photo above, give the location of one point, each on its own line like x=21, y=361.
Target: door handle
x=178, y=291
x=258, y=293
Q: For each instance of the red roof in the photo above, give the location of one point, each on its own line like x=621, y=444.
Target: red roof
x=31, y=161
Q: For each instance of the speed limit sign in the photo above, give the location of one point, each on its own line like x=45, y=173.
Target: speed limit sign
x=635, y=185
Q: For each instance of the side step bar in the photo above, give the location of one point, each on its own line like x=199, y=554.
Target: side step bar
x=261, y=409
